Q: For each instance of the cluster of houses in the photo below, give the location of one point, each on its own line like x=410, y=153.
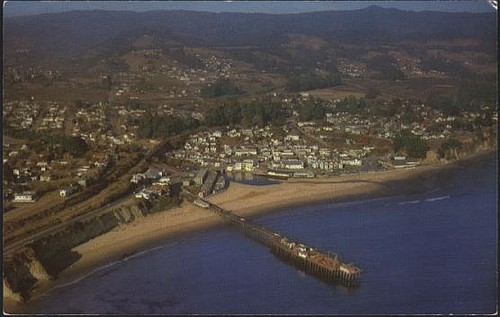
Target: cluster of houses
x=433, y=124
x=25, y=197
x=89, y=118
x=20, y=114
x=260, y=150
x=189, y=78
x=154, y=183
x=29, y=173
x=54, y=117
x=411, y=67
x=27, y=74
x=31, y=115
x=210, y=182
x=350, y=69
x=90, y=124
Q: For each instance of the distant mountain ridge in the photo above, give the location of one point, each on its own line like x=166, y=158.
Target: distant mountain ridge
x=72, y=33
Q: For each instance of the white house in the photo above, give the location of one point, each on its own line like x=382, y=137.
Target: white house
x=65, y=192
x=292, y=164
x=25, y=197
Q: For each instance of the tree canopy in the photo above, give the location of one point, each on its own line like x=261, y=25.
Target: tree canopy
x=311, y=109
x=259, y=112
x=154, y=126
x=74, y=145
x=385, y=66
x=310, y=80
x=413, y=145
x=351, y=104
x=222, y=87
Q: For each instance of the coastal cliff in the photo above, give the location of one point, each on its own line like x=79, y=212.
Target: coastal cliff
x=44, y=259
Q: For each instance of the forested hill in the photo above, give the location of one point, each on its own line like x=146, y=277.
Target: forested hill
x=71, y=34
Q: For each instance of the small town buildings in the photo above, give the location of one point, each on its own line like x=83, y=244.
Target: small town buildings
x=85, y=181
x=137, y=178
x=162, y=186
x=220, y=184
x=200, y=176
x=247, y=165
x=207, y=187
x=25, y=197
x=307, y=173
x=65, y=192
x=153, y=173
x=292, y=164
x=45, y=178
x=146, y=194
x=399, y=161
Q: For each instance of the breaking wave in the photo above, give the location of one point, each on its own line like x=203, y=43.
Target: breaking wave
x=437, y=198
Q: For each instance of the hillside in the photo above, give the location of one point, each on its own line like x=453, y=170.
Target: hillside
x=175, y=54
x=74, y=33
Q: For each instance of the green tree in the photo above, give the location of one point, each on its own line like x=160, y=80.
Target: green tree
x=221, y=87
x=413, y=145
x=385, y=66
x=310, y=80
x=74, y=145
x=450, y=147
x=351, y=104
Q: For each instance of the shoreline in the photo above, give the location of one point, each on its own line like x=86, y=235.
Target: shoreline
x=161, y=228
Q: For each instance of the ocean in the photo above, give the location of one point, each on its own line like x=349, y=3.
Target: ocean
x=421, y=254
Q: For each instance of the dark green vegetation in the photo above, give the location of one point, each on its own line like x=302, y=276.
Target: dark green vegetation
x=258, y=112
x=55, y=143
x=154, y=126
x=473, y=92
x=222, y=87
x=232, y=29
x=301, y=51
x=449, y=146
x=385, y=68
x=310, y=80
x=351, y=104
x=413, y=145
x=311, y=109
x=373, y=52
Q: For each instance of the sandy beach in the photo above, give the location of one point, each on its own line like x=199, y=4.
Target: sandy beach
x=245, y=200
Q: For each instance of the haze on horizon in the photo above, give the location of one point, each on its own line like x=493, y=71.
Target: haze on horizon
x=19, y=8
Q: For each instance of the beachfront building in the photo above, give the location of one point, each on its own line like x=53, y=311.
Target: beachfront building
x=65, y=192
x=247, y=165
x=25, y=197
x=307, y=173
x=201, y=176
x=208, y=185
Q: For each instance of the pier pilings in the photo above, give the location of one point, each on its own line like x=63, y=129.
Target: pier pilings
x=310, y=260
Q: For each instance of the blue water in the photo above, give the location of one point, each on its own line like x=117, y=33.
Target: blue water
x=251, y=179
x=430, y=253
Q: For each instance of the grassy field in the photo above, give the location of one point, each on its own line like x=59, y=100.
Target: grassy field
x=60, y=92
x=418, y=88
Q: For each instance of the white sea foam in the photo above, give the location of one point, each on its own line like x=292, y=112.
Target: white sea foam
x=409, y=202
x=88, y=274
x=437, y=198
x=135, y=255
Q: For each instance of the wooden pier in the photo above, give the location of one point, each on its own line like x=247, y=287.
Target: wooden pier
x=325, y=266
